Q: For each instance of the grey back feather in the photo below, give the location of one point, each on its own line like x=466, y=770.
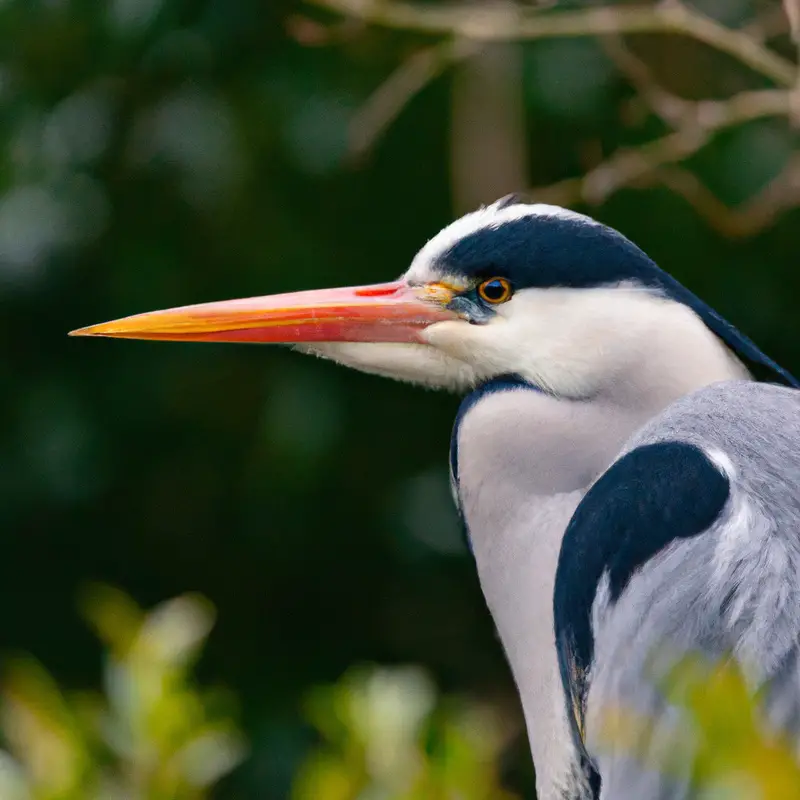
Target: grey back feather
x=734, y=590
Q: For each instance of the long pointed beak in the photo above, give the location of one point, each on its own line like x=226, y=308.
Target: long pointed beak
x=387, y=312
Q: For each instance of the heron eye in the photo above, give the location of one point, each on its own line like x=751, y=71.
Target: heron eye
x=495, y=290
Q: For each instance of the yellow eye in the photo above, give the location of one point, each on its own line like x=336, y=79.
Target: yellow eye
x=495, y=290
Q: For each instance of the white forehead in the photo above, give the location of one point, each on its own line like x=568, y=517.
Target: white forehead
x=422, y=268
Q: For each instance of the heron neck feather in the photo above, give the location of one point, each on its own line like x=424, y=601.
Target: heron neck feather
x=525, y=458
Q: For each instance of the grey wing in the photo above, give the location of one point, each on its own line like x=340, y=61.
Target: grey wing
x=689, y=543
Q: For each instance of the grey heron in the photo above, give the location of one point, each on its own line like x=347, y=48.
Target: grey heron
x=623, y=480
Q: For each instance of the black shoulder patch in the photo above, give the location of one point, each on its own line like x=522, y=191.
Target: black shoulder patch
x=652, y=496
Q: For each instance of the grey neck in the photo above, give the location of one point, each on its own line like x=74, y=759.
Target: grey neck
x=522, y=460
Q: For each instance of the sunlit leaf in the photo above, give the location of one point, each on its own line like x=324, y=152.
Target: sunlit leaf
x=42, y=731
x=174, y=631
x=114, y=616
x=14, y=784
x=327, y=776
x=211, y=755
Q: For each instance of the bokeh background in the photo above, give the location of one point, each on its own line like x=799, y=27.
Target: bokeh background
x=155, y=153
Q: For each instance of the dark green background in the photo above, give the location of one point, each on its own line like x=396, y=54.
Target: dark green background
x=201, y=155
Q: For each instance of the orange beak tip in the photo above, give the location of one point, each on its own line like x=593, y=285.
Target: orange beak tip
x=98, y=331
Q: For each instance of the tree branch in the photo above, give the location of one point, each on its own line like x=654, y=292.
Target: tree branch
x=694, y=124
x=488, y=23
x=673, y=110
x=630, y=165
x=780, y=194
x=389, y=99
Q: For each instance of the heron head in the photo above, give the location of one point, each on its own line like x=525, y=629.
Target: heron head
x=533, y=290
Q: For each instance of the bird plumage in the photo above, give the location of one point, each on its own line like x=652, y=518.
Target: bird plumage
x=727, y=584
x=526, y=450
x=671, y=545
x=625, y=487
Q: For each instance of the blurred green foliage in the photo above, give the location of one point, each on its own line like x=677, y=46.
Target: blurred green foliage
x=161, y=152
x=387, y=734
x=384, y=733
x=152, y=735
x=723, y=745
x=736, y=754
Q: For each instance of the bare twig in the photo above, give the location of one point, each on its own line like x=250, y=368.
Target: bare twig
x=769, y=23
x=502, y=23
x=631, y=165
x=389, y=99
x=688, y=118
x=792, y=9
x=310, y=33
x=694, y=124
x=675, y=111
x=757, y=213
